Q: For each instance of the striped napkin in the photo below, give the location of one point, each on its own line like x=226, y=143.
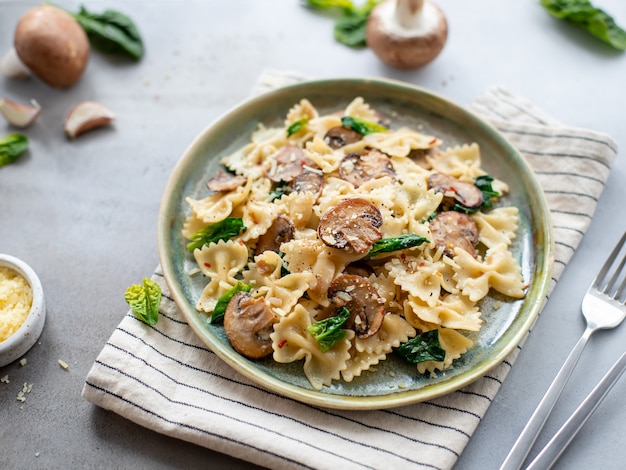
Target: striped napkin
x=164, y=378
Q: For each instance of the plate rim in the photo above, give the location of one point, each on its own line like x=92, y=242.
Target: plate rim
x=351, y=402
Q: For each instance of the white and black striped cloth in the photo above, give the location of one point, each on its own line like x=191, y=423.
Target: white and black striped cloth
x=166, y=379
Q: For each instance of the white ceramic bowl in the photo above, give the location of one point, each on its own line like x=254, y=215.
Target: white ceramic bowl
x=16, y=345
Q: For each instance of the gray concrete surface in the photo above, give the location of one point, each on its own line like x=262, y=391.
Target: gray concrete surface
x=83, y=213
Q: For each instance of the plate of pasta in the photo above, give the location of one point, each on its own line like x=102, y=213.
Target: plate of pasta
x=356, y=243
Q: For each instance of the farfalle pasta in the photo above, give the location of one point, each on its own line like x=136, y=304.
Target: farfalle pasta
x=338, y=240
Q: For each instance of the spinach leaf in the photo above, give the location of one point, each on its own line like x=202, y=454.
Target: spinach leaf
x=350, y=21
x=421, y=348
x=111, y=32
x=282, y=188
x=593, y=20
x=402, y=242
x=224, y=299
x=362, y=126
x=297, y=126
x=11, y=147
x=144, y=300
x=222, y=230
x=328, y=332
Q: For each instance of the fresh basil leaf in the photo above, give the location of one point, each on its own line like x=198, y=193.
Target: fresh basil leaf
x=402, y=242
x=297, y=126
x=222, y=230
x=11, y=147
x=328, y=332
x=111, y=32
x=595, y=21
x=421, y=348
x=144, y=300
x=224, y=299
x=329, y=4
x=362, y=126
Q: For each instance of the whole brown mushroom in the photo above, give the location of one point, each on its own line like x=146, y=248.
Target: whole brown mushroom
x=407, y=34
x=52, y=45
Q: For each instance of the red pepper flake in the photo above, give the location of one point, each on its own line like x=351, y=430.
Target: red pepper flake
x=255, y=222
x=433, y=142
x=282, y=343
x=422, y=264
x=208, y=265
x=403, y=257
x=241, y=242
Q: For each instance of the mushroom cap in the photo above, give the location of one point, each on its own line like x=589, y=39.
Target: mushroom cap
x=360, y=297
x=248, y=323
x=406, y=48
x=52, y=45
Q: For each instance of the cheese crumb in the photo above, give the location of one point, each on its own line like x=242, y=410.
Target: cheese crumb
x=23, y=362
x=64, y=364
x=5, y=379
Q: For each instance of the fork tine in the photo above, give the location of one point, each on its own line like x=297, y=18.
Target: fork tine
x=607, y=266
x=614, y=278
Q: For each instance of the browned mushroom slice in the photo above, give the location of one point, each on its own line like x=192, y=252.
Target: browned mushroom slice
x=359, y=269
x=454, y=229
x=455, y=191
x=308, y=181
x=223, y=181
x=361, y=298
x=248, y=323
x=281, y=230
x=289, y=162
x=358, y=169
x=419, y=156
x=337, y=137
x=352, y=225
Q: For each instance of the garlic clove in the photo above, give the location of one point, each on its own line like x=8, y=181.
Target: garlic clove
x=12, y=67
x=18, y=114
x=86, y=116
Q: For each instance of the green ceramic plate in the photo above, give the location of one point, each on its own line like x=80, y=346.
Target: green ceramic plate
x=394, y=383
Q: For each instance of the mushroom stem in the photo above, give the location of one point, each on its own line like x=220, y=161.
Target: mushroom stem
x=416, y=16
x=407, y=12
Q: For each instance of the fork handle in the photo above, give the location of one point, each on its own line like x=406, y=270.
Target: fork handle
x=551, y=452
x=521, y=448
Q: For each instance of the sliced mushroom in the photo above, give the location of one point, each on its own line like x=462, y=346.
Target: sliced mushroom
x=289, y=162
x=248, y=323
x=282, y=230
x=337, y=137
x=352, y=226
x=455, y=191
x=309, y=181
x=359, y=269
x=454, y=229
x=223, y=181
x=361, y=298
x=358, y=169
x=419, y=156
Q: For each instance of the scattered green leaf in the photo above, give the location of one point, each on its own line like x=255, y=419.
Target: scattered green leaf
x=144, y=300
x=421, y=348
x=591, y=19
x=402, y=242
x=350, y=20
x=297, y=126
x=222, y=230
x=281, y=188
x=362, y=126
x=111, y=32
x=11, y=147
x=224, y=299
x=328, y=332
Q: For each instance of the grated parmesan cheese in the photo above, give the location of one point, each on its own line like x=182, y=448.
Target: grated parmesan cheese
x=16, y=299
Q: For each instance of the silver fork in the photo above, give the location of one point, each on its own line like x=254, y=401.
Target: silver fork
x=603, y=308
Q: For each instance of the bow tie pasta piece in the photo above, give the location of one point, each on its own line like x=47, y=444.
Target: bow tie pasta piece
x=292, y=342
x=498, y=270
x=496, y=226
x=218, y=206
x=220, y=262
x=454, y=344
x=452, y=311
